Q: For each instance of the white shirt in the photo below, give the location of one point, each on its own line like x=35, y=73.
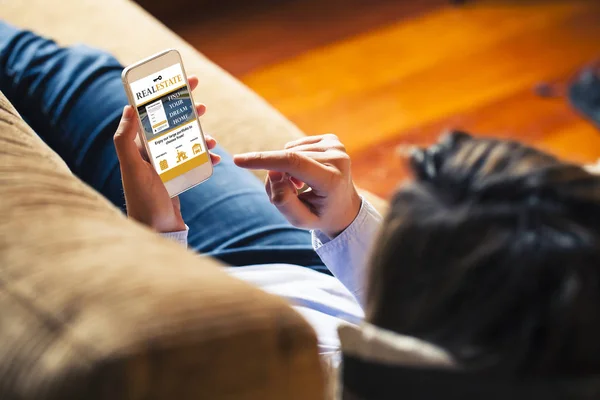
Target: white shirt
x=324, y=301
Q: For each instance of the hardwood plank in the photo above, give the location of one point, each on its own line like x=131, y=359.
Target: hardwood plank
x=254, y=34
x=546, y=123
x=412, y=92
x=327, y=74
x=387, y=74
x=578, y=142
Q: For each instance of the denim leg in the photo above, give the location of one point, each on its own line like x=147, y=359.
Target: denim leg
x=73, y=98
x=230, y=217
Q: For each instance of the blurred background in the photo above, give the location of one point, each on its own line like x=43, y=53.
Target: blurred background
x=387, y=74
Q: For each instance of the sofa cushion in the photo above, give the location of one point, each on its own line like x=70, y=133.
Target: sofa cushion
x=95, y=306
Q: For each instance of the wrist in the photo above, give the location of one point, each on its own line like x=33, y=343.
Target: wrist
x=162, y=225
x=175, y=226
x=171, y=223
x=348, y=216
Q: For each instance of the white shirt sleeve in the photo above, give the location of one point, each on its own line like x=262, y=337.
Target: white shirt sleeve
x=346, y=255
x=179, y=236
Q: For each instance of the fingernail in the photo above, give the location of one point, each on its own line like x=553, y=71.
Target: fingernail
x=127, y=111
x=275, y=176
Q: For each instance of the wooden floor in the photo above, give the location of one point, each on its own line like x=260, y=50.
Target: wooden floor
x=385, y=74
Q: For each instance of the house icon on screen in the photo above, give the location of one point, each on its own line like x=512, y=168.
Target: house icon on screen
x=181, y=156
x=197, y=148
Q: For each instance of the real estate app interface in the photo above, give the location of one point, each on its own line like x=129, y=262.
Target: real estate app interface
x=165, y=108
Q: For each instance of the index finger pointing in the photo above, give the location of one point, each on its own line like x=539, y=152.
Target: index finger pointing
x=302, y=167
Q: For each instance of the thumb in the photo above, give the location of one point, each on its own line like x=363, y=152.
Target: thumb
x=124, y=139
x=284, y=196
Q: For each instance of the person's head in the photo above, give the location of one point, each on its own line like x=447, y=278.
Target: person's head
x=493, y=252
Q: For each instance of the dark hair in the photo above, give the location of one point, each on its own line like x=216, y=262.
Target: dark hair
x=493, y=252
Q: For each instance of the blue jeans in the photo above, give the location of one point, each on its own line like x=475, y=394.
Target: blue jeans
x=73, y=98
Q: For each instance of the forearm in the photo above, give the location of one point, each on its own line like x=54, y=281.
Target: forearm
x=346, y=255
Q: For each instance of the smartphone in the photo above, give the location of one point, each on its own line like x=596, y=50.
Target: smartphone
x=158, y=89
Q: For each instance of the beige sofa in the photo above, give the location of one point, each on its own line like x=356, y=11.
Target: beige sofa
x=94, y=306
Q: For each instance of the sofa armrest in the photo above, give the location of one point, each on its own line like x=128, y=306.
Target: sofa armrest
x=95, y=306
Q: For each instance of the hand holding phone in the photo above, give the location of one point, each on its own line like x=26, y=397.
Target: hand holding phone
x=147, y=198
x=159, y=90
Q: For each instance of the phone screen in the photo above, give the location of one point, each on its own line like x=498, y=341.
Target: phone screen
x=165, y=108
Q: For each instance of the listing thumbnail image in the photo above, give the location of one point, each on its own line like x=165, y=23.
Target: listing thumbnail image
x=173, y=133
x=169, y=111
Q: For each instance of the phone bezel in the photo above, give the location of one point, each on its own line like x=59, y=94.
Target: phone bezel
x=142, y=69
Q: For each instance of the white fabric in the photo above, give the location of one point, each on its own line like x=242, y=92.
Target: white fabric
x=323, y=300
